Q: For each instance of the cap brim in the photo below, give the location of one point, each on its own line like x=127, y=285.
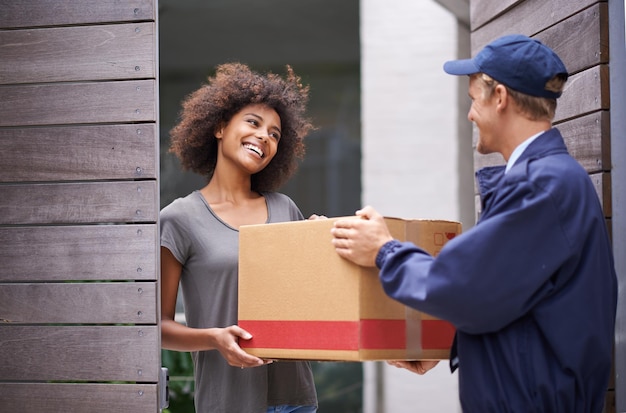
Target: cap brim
x=461, y=67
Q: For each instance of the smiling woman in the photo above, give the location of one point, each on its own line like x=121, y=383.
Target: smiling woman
x=197, y=35
x=244, y=131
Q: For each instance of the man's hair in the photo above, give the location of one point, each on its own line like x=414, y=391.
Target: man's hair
x=233, y=87
x=536, y=108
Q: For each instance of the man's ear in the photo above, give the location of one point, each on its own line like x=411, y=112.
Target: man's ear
x=501, y=94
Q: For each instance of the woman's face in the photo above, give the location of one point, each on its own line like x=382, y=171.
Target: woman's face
x=250, y=139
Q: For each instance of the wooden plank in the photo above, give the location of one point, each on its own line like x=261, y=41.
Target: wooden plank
x=602, y=183
x=580, y=38
x=121, y=51
x=581, y=41
x=78, y=397
x=482, y=11
x=79, y=303
x=586, y=138
x=584, y=93
x=77, y=253
x=30, y=13
x=533, y=11
x=71, y=353
x=66, y=103
x=78, y=153
x=78, y=203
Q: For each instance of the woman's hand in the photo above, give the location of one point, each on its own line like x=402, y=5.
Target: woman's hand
x=227, y=343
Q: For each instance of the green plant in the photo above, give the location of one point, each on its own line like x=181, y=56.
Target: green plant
x=181, y=384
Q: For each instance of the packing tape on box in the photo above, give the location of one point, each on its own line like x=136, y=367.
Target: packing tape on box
x=413, y=332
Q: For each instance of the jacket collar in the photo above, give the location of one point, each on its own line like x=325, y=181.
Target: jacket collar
x=549, y=143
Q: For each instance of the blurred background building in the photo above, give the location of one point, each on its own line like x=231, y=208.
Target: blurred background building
x=389, y=132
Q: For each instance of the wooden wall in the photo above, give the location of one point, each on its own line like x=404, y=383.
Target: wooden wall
x=79, y=328
x=578, y=31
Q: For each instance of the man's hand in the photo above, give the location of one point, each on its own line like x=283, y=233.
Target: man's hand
x=359, y=240
x=416, y=366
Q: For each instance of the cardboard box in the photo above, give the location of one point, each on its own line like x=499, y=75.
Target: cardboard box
x=300, y=300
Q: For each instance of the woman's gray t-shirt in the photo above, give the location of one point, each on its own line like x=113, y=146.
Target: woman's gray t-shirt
x=208, y=249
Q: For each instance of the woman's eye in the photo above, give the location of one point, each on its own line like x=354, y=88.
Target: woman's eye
x=275, y=135
x=253, y=122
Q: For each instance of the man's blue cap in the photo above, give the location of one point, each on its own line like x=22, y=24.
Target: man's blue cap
x=519, y=62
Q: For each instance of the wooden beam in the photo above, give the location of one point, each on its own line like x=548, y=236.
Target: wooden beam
x=33, y=13
x=81, y=303
x=71, y=353
x=78, y=253
x=78, y=398
x=61, y=54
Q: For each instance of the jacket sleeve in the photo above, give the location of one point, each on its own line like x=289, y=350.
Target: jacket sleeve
x=492, y=274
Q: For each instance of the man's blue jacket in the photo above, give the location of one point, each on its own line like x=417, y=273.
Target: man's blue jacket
x=531, y=288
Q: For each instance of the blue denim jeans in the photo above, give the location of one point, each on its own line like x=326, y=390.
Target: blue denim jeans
x=291, y=409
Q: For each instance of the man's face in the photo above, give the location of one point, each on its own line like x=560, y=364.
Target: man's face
x=483, y=114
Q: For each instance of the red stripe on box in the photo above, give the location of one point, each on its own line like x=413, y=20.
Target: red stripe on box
x=314, y=335
x=343, y=335
x=437, y=334
x=383, y=334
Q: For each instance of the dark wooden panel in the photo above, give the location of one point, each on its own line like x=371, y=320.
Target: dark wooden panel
x=580, y=39
x=586, y=138
x=29, y=13
x=584, y=93
x=78, y=153
x=102, y=353
x=532, y=11
x=93, y=252
x=98, y=102
x=79, y=303
x=78, y=398
x=122, y=51
x=481, y=11
x=74, y=203
x=602, y=183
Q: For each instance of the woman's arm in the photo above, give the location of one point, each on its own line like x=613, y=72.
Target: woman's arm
x=175, y=336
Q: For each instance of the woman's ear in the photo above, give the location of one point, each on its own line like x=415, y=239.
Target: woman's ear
x=219, y=131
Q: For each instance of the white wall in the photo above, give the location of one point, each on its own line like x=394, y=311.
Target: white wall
x=408, y=109
x=410, y=157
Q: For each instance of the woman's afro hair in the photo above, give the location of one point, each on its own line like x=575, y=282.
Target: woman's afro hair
x=233, y=87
